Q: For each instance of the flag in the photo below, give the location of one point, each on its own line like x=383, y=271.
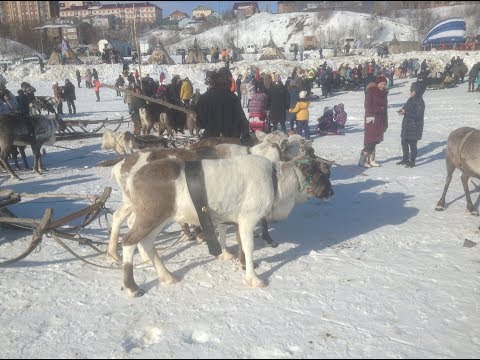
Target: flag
x=447, y=31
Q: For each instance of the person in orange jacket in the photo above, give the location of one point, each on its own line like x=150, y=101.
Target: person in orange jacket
x=96, y=88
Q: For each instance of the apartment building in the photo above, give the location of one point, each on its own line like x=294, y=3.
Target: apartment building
x=145, y=12
x=28, y=13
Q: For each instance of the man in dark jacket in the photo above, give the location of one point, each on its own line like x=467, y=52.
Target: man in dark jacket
x=278, y=104
x=472, y=76
x=22, y=103
x=412, y=124
x=69, y=95
x=119, y=83
x=220, y=112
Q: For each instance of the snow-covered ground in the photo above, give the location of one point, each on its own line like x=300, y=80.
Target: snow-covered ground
x=375, y=272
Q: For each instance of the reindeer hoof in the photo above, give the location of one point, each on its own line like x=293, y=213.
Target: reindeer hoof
x=133, y=293
x=255, y=266
x=256, y=283
x=439, y=208
x=270, y=243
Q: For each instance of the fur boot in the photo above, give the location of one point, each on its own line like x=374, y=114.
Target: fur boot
x=371, y=160
x=363, y=161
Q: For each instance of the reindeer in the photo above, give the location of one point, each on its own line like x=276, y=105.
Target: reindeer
x=35, y=130
x=463, y=153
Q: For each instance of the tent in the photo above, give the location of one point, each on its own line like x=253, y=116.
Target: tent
x=195, y=54
x=271, y=52
x=70, y=58
x=238, y=55
x=160, y=56
x=451, y=31
x=397, y=47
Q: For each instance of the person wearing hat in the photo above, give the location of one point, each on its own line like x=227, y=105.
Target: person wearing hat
x=302, y=115
x=412, y=124
x=376, y=120
x=69, y=95
x=278, y=104
x=220, y=112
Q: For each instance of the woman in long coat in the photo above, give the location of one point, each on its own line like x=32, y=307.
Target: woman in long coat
x=376, y=120
x=412, y=124
x=278, y=104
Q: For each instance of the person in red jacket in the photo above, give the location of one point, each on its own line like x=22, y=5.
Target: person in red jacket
x=376, y=120
x=96, y=88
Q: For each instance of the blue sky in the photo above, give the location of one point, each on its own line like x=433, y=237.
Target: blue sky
x=218, y=6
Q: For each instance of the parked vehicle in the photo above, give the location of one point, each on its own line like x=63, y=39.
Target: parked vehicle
x=251, y=49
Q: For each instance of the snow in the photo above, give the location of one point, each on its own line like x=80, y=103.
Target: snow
x=375, y=272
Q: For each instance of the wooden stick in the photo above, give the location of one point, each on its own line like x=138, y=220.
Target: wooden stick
x=71, y=196
x=158, y=101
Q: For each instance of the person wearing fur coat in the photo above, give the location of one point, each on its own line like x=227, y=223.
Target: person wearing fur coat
x=376, y=120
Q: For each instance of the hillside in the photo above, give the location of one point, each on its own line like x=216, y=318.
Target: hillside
x=406, y=25
x=290, y=28
x=11, y=49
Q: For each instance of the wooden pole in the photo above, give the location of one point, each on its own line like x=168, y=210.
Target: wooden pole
x=158, y=101
x=137, y=46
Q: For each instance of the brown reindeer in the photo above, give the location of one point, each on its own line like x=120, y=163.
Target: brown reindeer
x=35, y=130
x=463, y=153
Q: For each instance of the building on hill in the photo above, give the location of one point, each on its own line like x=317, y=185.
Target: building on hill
x=28, y=13
x=245, y=9
x=178, y=15
x=103, y=22
x=145, y=12
x=201, y=12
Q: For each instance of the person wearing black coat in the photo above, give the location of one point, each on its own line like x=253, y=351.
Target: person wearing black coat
x=278, y=104
x=219, y=111
x=22, y=103
x=412, y=124
x=95, y=74
x=69, y=95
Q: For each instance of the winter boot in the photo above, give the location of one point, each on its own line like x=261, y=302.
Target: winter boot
x=371, y=160
x=363, y=160
x=403, y=162
x=410, y=164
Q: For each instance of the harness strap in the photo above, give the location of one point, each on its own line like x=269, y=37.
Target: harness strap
x=275, y=179
x=196, y=187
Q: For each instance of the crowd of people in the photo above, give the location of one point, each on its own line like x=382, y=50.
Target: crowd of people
x=275, y=104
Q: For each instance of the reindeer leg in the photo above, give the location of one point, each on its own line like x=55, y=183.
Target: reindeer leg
x=118, y=218
x=24, y=157
x=245, y=229
x=37, y=164
x=222, y=234
x=7, y=167
x=450, y=169
x=187, y=232
x=266, y=236
x=470, y=207
x=14, y=156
